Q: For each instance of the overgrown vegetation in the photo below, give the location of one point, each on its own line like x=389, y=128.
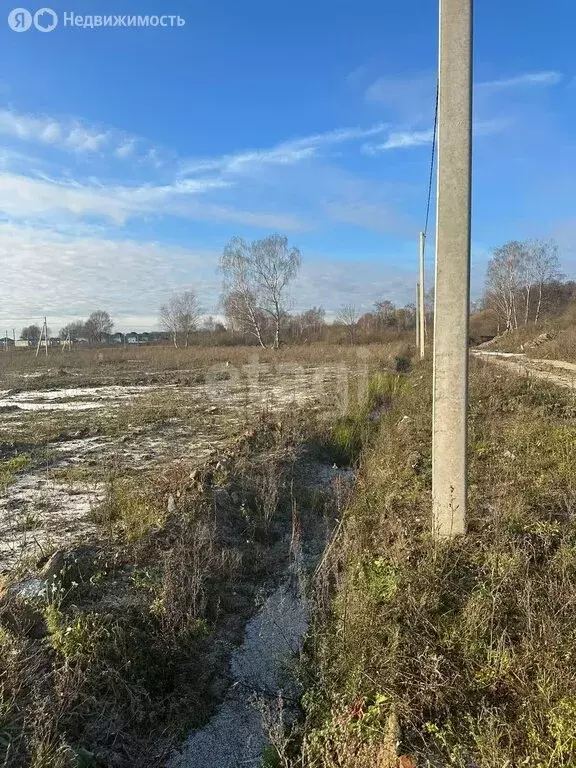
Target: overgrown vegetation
x=459, y=653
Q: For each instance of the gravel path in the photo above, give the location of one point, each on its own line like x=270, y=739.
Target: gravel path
x=235, y=736
x=556, y=371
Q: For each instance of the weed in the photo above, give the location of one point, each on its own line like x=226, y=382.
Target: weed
x=469, y=642
x=10, y=467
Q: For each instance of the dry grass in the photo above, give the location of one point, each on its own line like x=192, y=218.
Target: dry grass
x=130, y=650
x=142, y=364
x=464, y=651
x=560, y=346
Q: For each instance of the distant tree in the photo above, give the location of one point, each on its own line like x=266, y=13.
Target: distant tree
x=545, y=268
x=369, y=322
x=504, y=282
x=31, y=333
x=515, y=270
x=75, y=330
x=347, y=315
x=242, y=313
x=385, y=311
x=180, y=316
x=98, y=325
x=256, y=277
x=310, y=322
x=209, y=324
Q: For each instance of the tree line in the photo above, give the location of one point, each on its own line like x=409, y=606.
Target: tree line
x=524, y=284
x=94, y=329
x=256, y=300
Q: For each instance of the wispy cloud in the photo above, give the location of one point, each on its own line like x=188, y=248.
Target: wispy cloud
x=126, y=148
x=58, y=202
x=286, y=153
x=528, y=79
x=408, y=139
x=404, y=96
x=401, y=140
x=69, y=134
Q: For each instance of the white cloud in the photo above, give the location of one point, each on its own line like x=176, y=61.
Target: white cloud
x=81, y=139
x=402, y=140
x=57, y=202
x=286, y=153
x=332, y=283
x=24, y=197
x=80, y=274
x=69, y=134
x=407, y=139
x=126, y=149
x=545, y=78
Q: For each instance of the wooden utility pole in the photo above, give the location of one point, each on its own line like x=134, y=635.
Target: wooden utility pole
x=450, y=398
x=421, y=310
x=67, y=342
x=43, y=333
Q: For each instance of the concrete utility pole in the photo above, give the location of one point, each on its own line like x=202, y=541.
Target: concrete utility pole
x=449, y=432
x=417, y=316
x=421, y=310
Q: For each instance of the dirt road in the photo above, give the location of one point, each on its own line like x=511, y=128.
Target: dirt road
x=556, y=371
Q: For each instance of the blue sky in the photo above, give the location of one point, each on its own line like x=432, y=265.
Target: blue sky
x=129, y=156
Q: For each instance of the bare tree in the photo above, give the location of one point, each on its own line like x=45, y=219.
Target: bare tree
x=311, y=321
x=274, y=266
x=348, y=315
x=514, y=270
x=240, y=296
x=504, y=280
x=73, y=330
x=243, y=314
x=98, y=325
x=545, y=266
x=180, y=316
x=385, y=310
x=256, y=279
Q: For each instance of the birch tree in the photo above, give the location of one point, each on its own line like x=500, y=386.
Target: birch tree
x=180, y=316
x=504, y=281
x=256, y=280
x=348, y=315
x=546, y=268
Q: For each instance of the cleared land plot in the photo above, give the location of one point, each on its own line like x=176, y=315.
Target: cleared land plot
x=61, y=448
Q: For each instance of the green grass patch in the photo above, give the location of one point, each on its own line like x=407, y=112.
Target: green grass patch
x=468, y=645
x=10, y=467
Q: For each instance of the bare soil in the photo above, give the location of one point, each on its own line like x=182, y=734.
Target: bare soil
x=98, y=431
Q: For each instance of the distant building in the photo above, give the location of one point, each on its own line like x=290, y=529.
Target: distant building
x=6, y=341
x=24, y=343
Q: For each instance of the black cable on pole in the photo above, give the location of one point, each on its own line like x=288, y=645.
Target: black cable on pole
x=432, y=163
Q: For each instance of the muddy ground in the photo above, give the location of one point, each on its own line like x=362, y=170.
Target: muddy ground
x=60, y=446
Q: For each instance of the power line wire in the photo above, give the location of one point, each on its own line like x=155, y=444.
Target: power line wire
x=432, y=163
